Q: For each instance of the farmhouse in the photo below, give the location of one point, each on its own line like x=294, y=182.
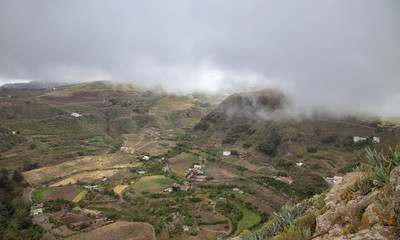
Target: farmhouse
x=168, y=189
x=226, y=153
x=200, y=178
x=130, y=150
x=145, y=157
x=358, y=138
x=299, y=164
x=376, y=140
x=287, y=180
x=142, y=172
x=236, y=189
x=37, y=211
x=185, y=228
x=76, y=115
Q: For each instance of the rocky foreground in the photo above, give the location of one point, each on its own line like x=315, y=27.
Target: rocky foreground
x=371, y=216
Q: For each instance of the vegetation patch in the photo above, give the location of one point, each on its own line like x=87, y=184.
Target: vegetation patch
x=80, y=196
x=249, y=219
x=153, y=184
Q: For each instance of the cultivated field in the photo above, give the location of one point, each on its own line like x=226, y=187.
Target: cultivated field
x=80, y=196
x=80, y=165
x=248, y=220
x=153, y=183
x=118, y=231
x=118, y=189
x=85, y=177
x=66, y=193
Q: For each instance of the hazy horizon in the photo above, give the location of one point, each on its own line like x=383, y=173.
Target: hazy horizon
x=336, y=56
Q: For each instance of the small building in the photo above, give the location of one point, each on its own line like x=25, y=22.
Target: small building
x=104, y=179
x=222, y=199
x=168, y=189
x=299, y=164
x=287, y=180
x=235, y=189
x=13, y=132
x=376, y=140
x=226, y=153
x=358, y=138
x=145, y=157
x=76, y=225
x=142, y=172
x=37, y=211
x=130, y=150
x=76, y=115
x=165, y=169
x=200, y=178
x=185, y=228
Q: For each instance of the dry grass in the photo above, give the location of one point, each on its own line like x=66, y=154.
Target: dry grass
x=119, y=230
x=118, y=189
x=63, y=182
x=80, y=196
x=46, y=174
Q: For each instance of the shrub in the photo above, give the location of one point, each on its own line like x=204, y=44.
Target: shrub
x=311, y=149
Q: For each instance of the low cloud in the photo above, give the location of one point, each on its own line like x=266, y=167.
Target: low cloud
x=335, y=56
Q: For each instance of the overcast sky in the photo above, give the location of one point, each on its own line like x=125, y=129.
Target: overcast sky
x=339, y=55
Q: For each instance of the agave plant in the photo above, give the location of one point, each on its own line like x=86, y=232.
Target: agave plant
x=380, y=174
x=274, y=228
x=395, y=156
x=380, y=166
x=286, y=215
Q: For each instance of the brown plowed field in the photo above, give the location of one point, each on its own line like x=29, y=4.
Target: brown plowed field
x=66, y=193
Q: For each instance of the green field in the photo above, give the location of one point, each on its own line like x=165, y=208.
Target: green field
x=249, y=218
x=40, y=195
x=153, y=184
x=191, y=158
x=165, y=180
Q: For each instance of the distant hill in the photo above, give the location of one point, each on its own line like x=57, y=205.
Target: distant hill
x=258, y=123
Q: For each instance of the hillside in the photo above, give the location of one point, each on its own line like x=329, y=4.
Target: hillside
x=85, y=159
x=257, y=125
x=362, y=205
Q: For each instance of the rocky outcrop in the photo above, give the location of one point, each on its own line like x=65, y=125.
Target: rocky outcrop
x=395, y=188
x=348, y=215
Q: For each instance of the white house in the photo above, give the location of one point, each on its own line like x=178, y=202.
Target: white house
x=226, y=153
x=185, y=228
x=145, y=157
x=299, y=164
x=358, y=138
x=142, y=172
x=76, y=115
x=376, y=140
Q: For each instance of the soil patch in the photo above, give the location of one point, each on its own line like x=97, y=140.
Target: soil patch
x=66, y=193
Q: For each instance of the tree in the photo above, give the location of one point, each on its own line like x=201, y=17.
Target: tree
x=17, y=176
